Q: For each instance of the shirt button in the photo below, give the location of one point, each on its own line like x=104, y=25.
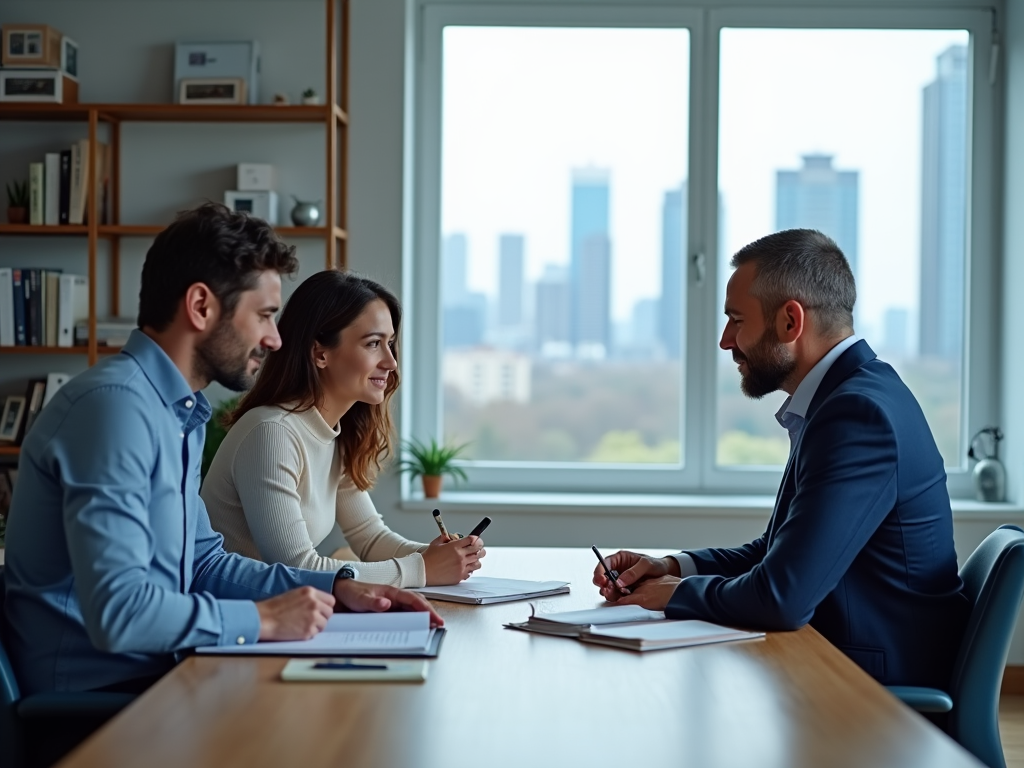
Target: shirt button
x=181, y=434
x=188, y=403
x=240, y=640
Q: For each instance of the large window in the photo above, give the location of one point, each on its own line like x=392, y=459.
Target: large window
x=582, y=177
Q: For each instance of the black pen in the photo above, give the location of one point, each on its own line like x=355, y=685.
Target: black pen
x=611, y=574
x=346, y=665
x=480, y=527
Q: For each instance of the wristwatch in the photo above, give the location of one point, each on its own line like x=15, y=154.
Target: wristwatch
x=347, y=572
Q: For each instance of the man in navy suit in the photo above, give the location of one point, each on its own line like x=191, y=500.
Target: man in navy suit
x=860, y=543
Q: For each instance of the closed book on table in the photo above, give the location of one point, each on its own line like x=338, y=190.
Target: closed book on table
x=575, y=623
x=65, y=186
x=662, y=635
x=72, y=306
x=18, y=285
x=6, y=307
x=484, y=590
x=36, y=189
x=51, y=189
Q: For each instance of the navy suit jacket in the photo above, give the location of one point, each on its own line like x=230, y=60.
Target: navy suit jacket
x=860, y=543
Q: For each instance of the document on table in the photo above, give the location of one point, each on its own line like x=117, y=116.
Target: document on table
x=348, y=634
x=481, y=590
x=573, y=623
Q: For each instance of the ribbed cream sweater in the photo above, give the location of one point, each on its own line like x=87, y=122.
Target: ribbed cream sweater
x=276, y=488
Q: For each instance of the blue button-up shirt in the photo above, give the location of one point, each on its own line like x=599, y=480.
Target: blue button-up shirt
x=112, y=566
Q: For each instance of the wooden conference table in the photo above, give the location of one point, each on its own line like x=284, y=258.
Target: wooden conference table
x=497, y=697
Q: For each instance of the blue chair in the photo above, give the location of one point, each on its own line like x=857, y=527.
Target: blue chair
x=50, y=713
x=993, y=579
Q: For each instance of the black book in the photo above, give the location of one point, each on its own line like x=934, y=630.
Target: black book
x=65, y=186
x=33, y=306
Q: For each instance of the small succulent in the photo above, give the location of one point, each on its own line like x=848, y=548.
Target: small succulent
x=17, y=194
x=308, y=93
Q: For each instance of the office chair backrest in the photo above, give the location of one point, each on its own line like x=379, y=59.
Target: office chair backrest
x=10, y=737
x=993, y=579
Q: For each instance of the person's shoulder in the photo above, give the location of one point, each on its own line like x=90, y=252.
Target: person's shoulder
x=116, y=375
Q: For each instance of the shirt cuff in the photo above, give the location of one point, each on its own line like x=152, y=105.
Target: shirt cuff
x=686, y=565
x=240, y=622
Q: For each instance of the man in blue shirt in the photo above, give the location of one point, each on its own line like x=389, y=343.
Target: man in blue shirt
x=112, y=567
x=860, y=544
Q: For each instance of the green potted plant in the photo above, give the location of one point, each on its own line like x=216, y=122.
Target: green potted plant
x=432, y=462
x=215, y=432
x=309, y=97
x=17, y=202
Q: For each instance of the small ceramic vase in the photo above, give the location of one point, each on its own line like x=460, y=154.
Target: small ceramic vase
x=305, y=214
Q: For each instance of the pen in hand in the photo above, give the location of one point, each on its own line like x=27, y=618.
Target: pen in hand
x=611, y=574
x=440, y=525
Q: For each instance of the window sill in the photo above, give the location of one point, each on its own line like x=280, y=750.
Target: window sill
x=658, y=505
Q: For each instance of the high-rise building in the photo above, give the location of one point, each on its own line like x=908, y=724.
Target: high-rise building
x=510, y=280
x=673, y=246
x=944, y=206
x=820, y=197
x=464, y=313
x=590, y=266
x=552, y=314
x=454, y=270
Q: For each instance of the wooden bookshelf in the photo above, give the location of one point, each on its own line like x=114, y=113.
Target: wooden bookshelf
x=333, y=115
x=9, y=450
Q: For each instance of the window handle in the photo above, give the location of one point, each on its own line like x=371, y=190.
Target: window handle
x=700, y=267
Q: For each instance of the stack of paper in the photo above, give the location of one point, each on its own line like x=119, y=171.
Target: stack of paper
x=665, y=634
x=354, y=634
x=482, y=590
x=573, y=623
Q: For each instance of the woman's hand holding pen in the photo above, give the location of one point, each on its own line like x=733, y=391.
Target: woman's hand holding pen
x=633, y=568
x=451, y=561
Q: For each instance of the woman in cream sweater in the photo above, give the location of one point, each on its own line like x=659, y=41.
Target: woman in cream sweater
x=307, y=441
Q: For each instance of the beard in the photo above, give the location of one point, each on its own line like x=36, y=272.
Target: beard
x=224, y=358
x=769, y=364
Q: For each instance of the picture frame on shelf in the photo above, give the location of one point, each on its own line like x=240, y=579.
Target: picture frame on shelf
x=10, y=419
x=69, y=57
x=31, y=45
x=212, y=90
x=47, y=86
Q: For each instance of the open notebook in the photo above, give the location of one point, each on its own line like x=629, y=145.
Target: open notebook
x=573, y=623
x=353, y=634
x=481, y=590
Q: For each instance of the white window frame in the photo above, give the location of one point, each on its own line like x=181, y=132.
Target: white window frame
x=422, y=395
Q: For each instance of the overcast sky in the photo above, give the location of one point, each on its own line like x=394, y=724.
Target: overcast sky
x=524, y=106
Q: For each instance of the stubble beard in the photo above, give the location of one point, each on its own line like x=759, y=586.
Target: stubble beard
x=224, y=358
x=769, y=364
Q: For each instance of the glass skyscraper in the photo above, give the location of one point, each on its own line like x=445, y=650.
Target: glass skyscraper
x=590, y=266
x=820, y=197
x=943, y=206
x=673, y=244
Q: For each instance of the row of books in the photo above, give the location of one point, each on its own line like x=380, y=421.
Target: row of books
x=58, y=187
x=40, y=307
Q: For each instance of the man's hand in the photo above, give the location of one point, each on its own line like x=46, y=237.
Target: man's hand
x=360, y=597
x=449, y=562
x=652, y=594
x=633, y=568
x=298, y=614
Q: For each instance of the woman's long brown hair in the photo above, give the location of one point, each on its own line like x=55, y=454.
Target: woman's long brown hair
x=321, y=307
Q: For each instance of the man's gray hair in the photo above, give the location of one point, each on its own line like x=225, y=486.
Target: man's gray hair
x=808, y=267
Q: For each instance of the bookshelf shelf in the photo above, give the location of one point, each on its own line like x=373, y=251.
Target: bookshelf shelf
x=9, y=450
x=42, y=229
x=173, y=113
x=76, y=350
x=151, y=230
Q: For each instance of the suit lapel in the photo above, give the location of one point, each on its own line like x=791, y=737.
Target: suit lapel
x=852, y=359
